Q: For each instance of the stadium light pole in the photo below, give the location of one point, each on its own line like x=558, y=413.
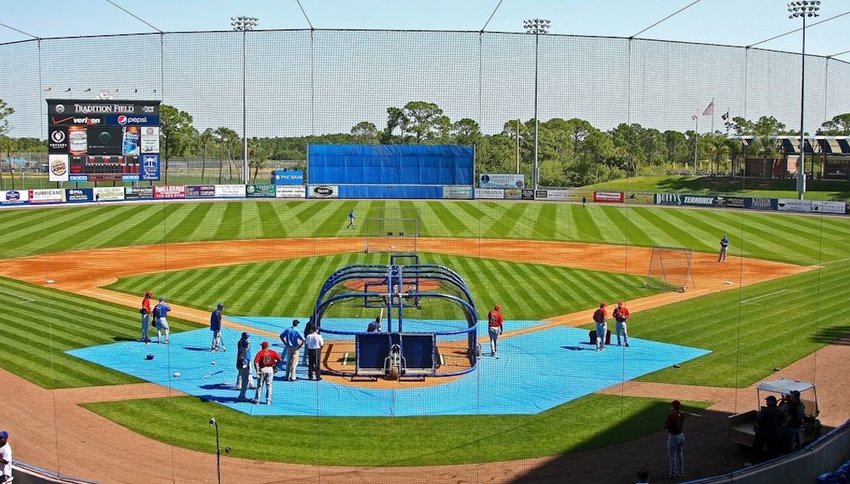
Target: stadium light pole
x=536, y=26
x=803, y=9
x=244, y=24
x=213, y=423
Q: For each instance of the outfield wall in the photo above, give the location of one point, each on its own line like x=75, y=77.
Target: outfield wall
x=54, y=196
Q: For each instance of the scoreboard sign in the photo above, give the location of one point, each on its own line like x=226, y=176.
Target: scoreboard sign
x=103, y=140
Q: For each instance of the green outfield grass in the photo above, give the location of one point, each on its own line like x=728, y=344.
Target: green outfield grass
x=525, y=291
x=38, y=325
x=798, y=239
x=742, y=187
x=587, y=423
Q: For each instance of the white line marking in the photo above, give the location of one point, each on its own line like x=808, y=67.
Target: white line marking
x=345, y=359
x=745, y=301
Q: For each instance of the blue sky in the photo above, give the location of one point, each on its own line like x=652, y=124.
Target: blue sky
x=735, y=22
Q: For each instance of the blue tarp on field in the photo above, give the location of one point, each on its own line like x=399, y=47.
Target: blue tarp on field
x=535, y=372
x=390, y=164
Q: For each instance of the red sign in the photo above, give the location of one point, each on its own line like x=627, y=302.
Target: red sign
x=169, y=191
x=609, y=197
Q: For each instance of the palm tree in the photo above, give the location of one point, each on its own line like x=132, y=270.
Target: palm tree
x=205, y=139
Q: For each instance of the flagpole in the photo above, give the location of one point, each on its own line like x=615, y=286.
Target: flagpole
x=712, y=115
x=696, y=143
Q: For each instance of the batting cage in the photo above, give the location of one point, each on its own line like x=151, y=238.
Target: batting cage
x=396, y=321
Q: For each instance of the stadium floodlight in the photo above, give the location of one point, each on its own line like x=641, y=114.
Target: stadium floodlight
x=803, y=9
x=244, y=24
x=536, y=26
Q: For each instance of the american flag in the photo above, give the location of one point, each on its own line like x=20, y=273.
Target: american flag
x=709, y=110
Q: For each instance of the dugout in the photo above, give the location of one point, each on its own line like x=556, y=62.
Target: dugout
x=392, y=171
x=412, y=340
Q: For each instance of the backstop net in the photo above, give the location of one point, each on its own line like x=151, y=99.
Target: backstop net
x=670, y=268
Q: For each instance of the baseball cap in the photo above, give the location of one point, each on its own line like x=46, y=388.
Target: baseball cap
x=244, y=334
x=602, y=304
x=4, y=435
x=295, y=322
x=220, y=305
x=796, y=393
x=497, y=307
x=676, y=404
x=771, y=398
x=265, y=344
x=148, y=294
x=161, y=298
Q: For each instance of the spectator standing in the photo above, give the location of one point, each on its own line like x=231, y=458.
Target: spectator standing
x=495, y=328
x=314, y=343
x=243, y=366
x=145, y=311
x=621, y=314
x=675, y=425
x=160, y=312
x=584, y=201
x=264, y=363
x=793, y=428
x=292, y=342
x=768, y=432
x=5, y=458
x=600, y=317
x=215, y=327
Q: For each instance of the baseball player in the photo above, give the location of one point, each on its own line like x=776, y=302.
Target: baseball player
x=264, y=362
x=160, y=312
x=145, y=311
x=215, y=327
x=621, y=314
x=600, y=317
x=350, y=219
x=495, y=327
x=724, y=249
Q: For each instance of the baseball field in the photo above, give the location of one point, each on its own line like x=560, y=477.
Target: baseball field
x=72, y=278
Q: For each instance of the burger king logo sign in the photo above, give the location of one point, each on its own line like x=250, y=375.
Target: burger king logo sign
x=58, y=167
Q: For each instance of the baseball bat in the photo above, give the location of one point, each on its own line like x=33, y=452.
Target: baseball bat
x=213, y=373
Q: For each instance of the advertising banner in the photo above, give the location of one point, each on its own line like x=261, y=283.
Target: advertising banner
x=608, y=197
x=640, y=198
x=457, y=193
x=513, y=193
x=138, y=193
x=169, y=192
x=49, y=195
x=697, y=200
x=820, y=207
x=79, y=195
x=262, y=191
x=323, y=191
x=489, y=193
x=14, y=197
x=793, y=205
x=230, y=191
x=527, y=194
x=57, y=140
x=501, y=180
x=760, y=203
x=57, y=168
x=667, y=199
x=108, y=194
x=200, y=191
x=290, y=191
x=288, y=177
x=149, y=167
x=150, y=139
x=730, y=202
x=556, y=195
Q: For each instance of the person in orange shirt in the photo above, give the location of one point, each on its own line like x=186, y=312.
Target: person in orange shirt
x=145, y=311
x=600, y=317
x=621, y=314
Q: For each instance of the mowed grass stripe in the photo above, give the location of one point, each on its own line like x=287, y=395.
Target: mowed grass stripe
x=432, y=225
x=60, y=235
x=184, y=222
x=474, y=216
x=451, y=221
x=657, y=229
x=224, y=229
x=142, y=227
x=545, y=221
x=270, y=224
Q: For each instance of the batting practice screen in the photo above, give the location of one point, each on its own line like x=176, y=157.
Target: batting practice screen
x=390, y=164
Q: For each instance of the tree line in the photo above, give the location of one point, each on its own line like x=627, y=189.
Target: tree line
x=571, y=152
